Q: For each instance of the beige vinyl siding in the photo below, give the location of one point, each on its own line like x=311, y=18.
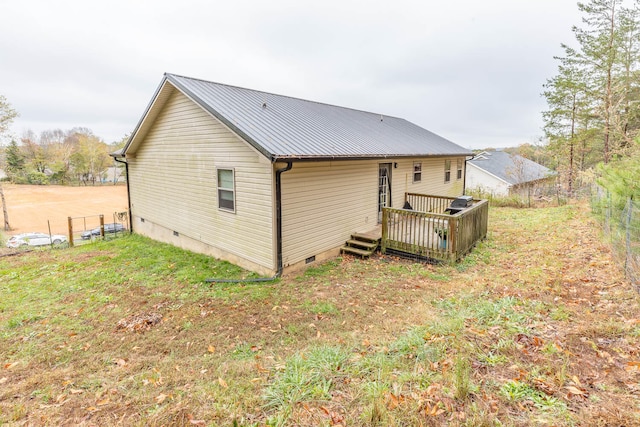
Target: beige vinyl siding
x=323, y=203
x=432, y=179
x=173, y=183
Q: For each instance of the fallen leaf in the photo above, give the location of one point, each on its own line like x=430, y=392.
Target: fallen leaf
x=222, y=383
x=102, y=402
x=160, y=398
x=574, y=390
x=633, y=366
x=194, y=422
x=76, y=391
x=10, y=365
x=121, y=362
x=211, y=349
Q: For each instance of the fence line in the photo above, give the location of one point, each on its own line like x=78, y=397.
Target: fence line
x=621, y=225
x=80, y=228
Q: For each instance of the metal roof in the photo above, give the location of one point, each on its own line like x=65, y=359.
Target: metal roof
x=283, y=127
x=512, y=168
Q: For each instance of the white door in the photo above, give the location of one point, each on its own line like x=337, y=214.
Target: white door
x=384, y=188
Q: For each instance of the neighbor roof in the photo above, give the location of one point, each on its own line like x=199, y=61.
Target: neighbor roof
x=511, y=168
x=282, y=127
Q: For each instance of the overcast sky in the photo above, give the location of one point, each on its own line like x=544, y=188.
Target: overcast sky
x=471, y=71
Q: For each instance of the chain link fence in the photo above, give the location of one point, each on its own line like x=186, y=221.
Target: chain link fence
x=620, y=219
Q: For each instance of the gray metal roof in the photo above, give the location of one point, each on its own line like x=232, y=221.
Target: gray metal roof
x=283, y=127
x=511, y=168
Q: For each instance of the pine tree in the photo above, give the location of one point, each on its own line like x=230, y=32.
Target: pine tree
x=15, y=160
x=568, y=99
x=594, y=108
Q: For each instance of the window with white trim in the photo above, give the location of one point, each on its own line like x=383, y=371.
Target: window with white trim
x=417, y=171
x=447, y=170
x=226, y=190
x=459, y=174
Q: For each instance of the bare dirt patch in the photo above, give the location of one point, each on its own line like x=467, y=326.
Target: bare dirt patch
x=31, y=206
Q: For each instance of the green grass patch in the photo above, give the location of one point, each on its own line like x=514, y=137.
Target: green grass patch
x=375, y=342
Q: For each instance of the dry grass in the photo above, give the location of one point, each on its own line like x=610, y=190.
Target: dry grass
x=535, y=327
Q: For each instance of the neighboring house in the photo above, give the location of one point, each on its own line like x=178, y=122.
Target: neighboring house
x=113, y=174
x=500, y=173
x=270, y=182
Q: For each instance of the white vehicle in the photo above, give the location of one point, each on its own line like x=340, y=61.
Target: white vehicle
x=35, y=239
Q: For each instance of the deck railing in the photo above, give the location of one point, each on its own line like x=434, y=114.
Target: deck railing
x=426, y=231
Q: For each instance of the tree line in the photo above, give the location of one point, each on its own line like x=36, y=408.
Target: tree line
x=74, y=156
x=593, y=118
x=591, y=125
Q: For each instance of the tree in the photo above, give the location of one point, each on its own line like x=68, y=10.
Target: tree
x=14, y=160
x=34, y=154
x=7, y=115
x=568, y=100
x=629, y=122
x=622, y=178
x=90, y=157
x=594, y=113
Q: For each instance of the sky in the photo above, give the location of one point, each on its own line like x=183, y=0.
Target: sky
x=471, y=71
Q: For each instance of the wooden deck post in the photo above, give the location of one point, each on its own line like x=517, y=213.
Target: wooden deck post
x=70, y=227
x=101, y=226
x=453, y=236
x=385, y=231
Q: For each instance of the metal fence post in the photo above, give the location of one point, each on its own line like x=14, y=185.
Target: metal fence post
x=627, y=229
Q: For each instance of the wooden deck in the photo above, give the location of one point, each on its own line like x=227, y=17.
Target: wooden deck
x=374, y=233
x=426, y=231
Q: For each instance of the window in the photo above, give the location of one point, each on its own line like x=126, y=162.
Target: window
x=417, y=171
x=226, y=190
x=447, y=170
x=459, y=175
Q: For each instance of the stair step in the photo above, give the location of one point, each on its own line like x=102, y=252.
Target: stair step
x=362, y=244
x=356, y=251
x=365, y=238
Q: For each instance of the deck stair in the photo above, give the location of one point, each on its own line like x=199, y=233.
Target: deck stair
x=361, y=245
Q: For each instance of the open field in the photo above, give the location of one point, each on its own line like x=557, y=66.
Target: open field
x=537, y=327
x=31, y=206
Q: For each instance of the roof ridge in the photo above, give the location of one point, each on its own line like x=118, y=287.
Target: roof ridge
x=286, y=96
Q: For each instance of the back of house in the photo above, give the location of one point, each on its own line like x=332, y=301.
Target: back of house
x=271, y=182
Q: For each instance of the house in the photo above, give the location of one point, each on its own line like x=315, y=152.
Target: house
x=271, y=182
x=113, y=174
x=500, y=173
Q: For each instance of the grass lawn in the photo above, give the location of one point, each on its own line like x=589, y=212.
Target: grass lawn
x=536, y=327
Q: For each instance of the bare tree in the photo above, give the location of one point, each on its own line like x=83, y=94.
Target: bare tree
x=7, y=115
